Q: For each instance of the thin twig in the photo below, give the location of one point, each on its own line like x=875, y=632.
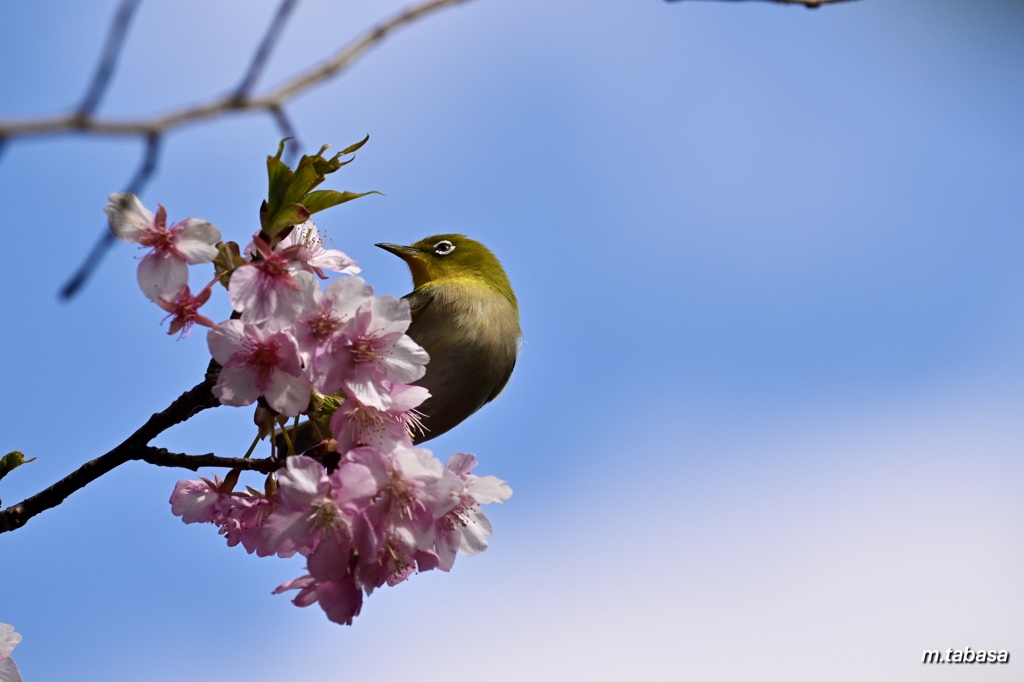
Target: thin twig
x=111, y=52
x=83, y=121
x=177, y=460
x=102, y=246
x=344, y=57
x=266, y=46
x=284, y=124
x=136, y=446
x=810, y=4
x=223, y=104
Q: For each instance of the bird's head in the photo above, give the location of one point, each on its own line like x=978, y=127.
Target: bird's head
x=455, y=258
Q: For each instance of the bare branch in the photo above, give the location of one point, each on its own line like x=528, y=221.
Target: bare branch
x=83, y=121
x=111, y=51
x=107, y=239
x=136, y=447
x=810, y=4
x=259, y=60
x=344, y=57
x=284, y=124
x=177, y=460
x=223, y=104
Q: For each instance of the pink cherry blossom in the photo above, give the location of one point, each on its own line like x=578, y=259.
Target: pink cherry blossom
x=183, y=311
x=370, y=353
x=465, y=528
x=325, y=312
x=255, y=363
x=358, y=478
x=305, y=508
x=306, y=249
x=267, y=292
x=242, y=519
x=8, y=640
x=418, y=493
x=162, y=272
x=197, y=501
x=341, y=598
x=354, y=424
x=311, y=503
x=238, y=515
x=306, y=585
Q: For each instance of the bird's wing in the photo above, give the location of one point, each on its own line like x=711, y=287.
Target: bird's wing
x=501, y=383
x=418, y=300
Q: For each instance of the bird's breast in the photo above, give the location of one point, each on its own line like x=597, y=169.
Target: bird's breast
x=471, y=333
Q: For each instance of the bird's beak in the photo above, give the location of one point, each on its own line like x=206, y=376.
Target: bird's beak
x=403, y=252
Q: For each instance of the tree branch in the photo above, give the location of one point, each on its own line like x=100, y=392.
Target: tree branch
x=83, y=120
x=344, y=57
x=162, y=458
x=102, y=246
x=259, y=60
x=809, y=4
x=136, y=446
x=223, y=104
x=111, y=52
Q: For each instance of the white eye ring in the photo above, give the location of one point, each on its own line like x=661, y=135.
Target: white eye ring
x=443, y=247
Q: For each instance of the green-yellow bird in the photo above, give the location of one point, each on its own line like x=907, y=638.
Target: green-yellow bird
x=465, y=315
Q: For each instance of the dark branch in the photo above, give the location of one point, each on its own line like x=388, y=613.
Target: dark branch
x=150, y=157
x=142, y=177
x=810, y=4
x=135, y=447
x=228, y=103
x=284, y=124
x=111, y=51
x=270, y=38
x=177, y=460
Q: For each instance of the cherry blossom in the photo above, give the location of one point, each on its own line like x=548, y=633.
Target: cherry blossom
x=367, y=509
x=256, y=362
x=184, y=311
x=162, y=272
x=465, y=528
x=326, y=312
x=354, y=424
x=305, y=508
x=306, y=249
x=267, y=291
x=371, y=353
x=197, y=501
x=8, y=640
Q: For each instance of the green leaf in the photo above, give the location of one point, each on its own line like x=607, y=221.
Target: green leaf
x=325, y=198
x=305, y=178
x=291, y=198
x=279, y=175
x=286, y=216
x=11, y=461
x=353, y=147
x=228, y=259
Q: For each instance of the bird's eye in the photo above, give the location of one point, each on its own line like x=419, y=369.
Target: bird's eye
x=443, y=247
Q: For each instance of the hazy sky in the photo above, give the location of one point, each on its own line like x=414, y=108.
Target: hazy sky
x=766, y=424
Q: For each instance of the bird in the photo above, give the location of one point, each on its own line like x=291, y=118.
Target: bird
x=466, y=316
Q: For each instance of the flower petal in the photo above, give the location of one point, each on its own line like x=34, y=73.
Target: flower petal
x=226, y=339
x=127, y=217
x=287, y=393
x=162, y=276
x=237, y=386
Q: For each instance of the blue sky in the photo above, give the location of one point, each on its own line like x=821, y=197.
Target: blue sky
x=766, y=421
